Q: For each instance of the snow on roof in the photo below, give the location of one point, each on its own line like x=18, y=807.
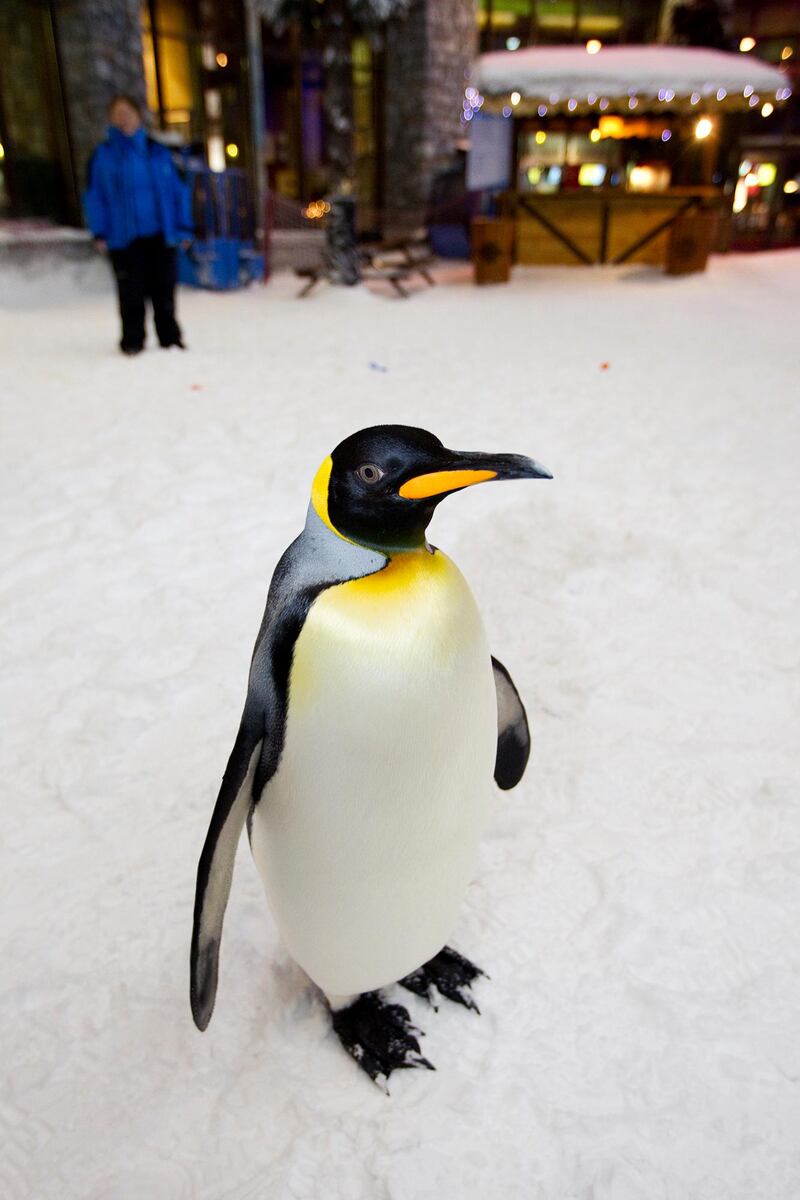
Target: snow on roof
x=556, y=74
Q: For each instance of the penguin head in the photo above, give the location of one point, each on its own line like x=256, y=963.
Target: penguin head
x=380, y=486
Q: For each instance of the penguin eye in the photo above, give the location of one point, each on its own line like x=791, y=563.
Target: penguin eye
x=369, y=473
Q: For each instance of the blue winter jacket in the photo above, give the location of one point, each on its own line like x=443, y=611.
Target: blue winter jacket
x=134, y=190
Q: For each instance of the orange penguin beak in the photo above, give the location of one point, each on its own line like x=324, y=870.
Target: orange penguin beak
x=468, y=469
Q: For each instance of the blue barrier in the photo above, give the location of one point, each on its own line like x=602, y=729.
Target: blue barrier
x=223, y=254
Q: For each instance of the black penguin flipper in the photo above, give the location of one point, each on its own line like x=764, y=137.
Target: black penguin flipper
x=215, y=869
x=513, y=734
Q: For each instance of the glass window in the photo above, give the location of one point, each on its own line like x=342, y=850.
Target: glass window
x=508, y=24
x=176, y=74
x=35, y=176
x=151, y=81
x=193, y=74
x=505, y=24
x=599, y=18
x=172, y=17
x=364, y=139
x=555, y=20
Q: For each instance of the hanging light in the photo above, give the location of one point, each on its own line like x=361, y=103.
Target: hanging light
x=593, y=46
x=542, y=110
x=748, y=91
x=572, y=104
x=767, y=109
x=603, y=104
x=753, y=101
x=791, y=186
x=747, y=44
x=594, y=135
x=721, y=94
x=541, y=137
x=512, y=43
x=786, y=52
x=515, y=98
x=703, y=128
x=632, y=103
x=694, y=98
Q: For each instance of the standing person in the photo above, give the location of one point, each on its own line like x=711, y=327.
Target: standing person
x=138, y=208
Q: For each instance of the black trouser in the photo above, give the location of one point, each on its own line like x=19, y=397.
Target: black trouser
x=146, y=268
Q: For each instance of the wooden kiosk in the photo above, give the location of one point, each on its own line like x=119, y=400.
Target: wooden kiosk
x=614, y=149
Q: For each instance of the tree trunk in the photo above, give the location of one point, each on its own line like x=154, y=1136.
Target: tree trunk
x=338, y=99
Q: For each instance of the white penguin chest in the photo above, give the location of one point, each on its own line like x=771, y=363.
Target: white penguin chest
x=367, y=834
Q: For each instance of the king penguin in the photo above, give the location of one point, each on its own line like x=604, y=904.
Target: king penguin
x=374, y=720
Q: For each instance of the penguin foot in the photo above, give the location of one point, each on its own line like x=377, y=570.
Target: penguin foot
x=449, y=974
x=379, y=1036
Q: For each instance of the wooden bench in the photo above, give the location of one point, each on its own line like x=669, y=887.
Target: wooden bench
x=395, y=276
x=412, y=254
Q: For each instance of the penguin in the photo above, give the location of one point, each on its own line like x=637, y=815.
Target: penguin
x=374, y=720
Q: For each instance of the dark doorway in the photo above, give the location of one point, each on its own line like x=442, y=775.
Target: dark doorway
x=35, y=172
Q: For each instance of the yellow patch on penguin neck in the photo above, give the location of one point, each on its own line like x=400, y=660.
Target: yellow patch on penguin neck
x=319, y=501
x=319, y=495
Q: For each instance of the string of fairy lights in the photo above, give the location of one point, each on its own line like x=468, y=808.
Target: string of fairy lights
x=515, y=104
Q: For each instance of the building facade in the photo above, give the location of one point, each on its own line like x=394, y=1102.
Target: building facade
x=303, y=93
x=193, y=65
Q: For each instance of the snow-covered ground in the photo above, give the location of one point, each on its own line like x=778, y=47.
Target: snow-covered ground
x=637, y=898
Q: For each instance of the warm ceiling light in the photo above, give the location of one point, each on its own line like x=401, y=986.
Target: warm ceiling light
x=791, y=186
x=222, y=59
x=703, y=128
x=515, y=98
x=541, y=137
x=232, y=150
x=747, y=43
x=593, y=46
x=767, y=109
x=786, y=52
x=594, y=135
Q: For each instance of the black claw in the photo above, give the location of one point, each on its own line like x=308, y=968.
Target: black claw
x=418, y=983
x=379, y=1036
x=449, y=974
x=421, y=1062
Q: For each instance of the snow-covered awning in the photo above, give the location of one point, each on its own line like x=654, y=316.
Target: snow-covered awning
x=646, y=78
